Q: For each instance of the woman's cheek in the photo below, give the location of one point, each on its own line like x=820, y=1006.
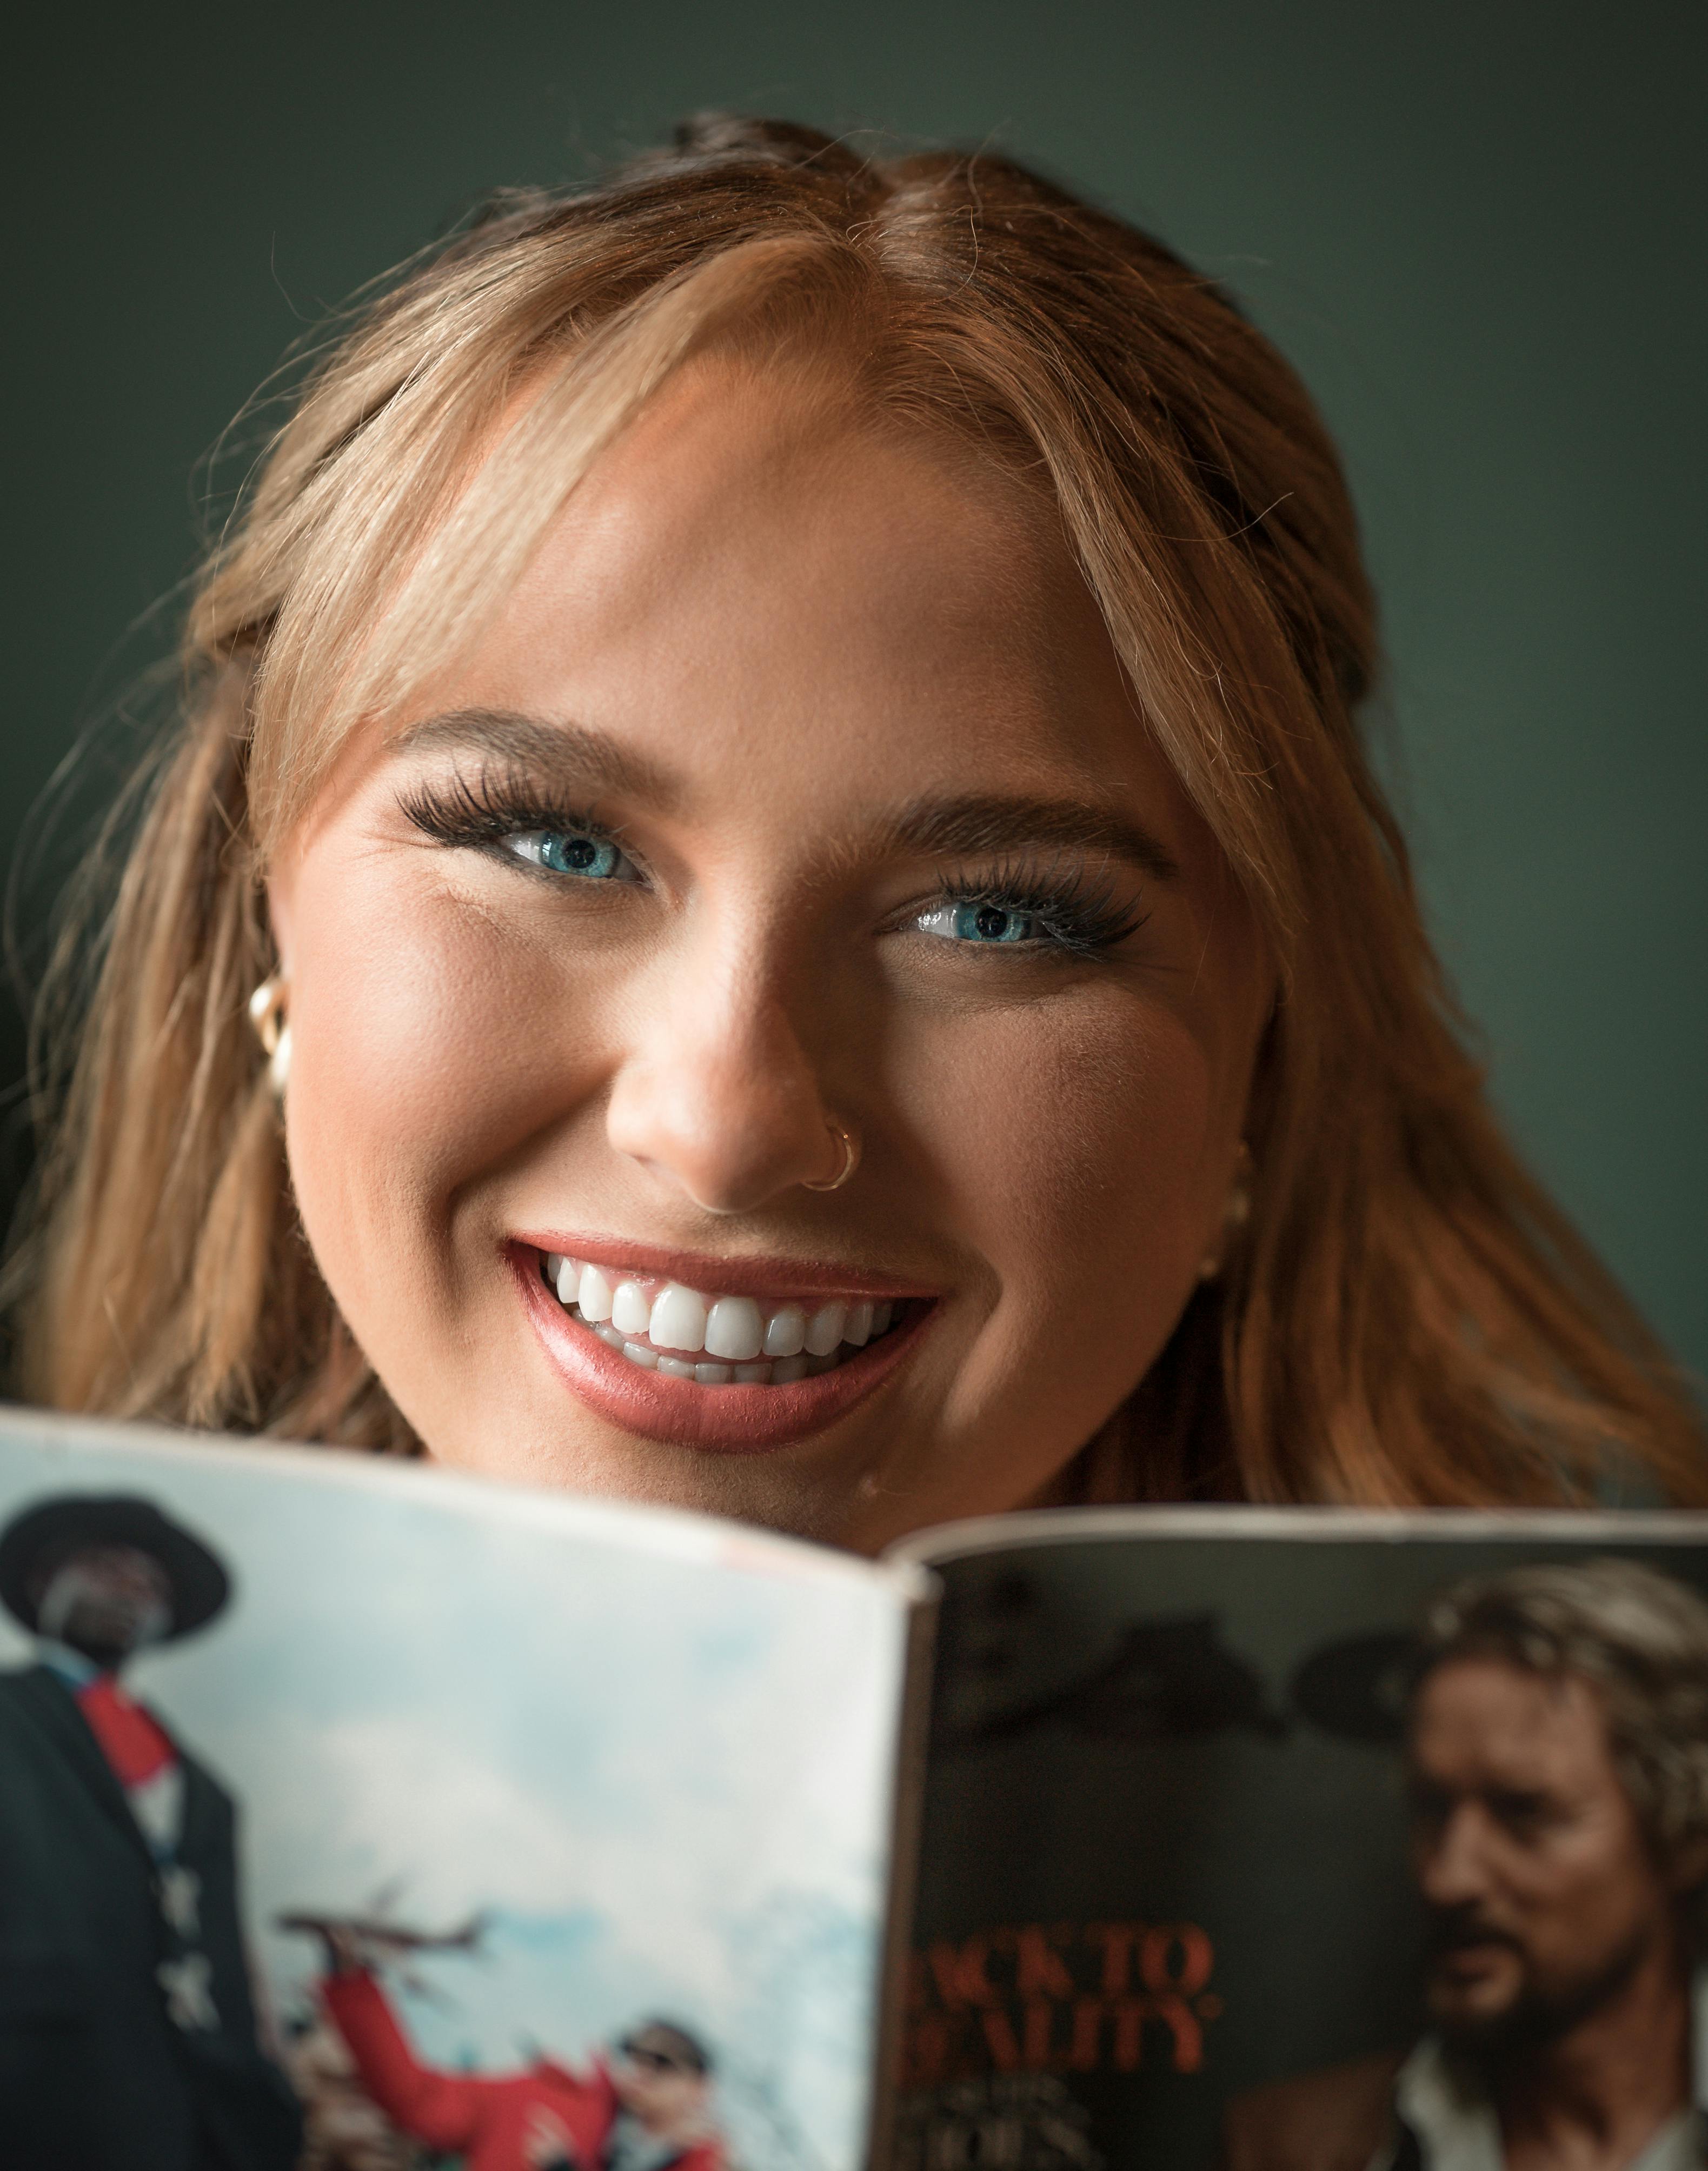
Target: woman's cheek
x=421, y=1054
x=1080, y=1148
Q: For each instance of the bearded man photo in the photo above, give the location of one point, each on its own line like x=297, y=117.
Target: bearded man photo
x=1556, y=1749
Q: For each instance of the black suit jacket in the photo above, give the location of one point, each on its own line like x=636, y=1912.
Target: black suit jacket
x=95, y=2075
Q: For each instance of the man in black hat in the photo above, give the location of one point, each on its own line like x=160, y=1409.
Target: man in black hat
x=128, y=2037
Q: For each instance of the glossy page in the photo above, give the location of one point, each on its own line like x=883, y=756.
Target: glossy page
x=536, y=1821
x=1242, y=1826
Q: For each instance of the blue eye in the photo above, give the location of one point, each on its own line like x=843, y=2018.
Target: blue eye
x=972, y=922
x=571, y=852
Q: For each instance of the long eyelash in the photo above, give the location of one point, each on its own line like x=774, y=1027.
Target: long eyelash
x=490, y=807
x=1082, y=914
x=1081, y=911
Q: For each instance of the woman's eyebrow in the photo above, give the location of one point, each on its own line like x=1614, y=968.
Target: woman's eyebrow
x=989, y=822
x=973, y=825
x=568, y=753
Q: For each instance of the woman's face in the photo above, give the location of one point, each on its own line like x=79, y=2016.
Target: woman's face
x=797, y=784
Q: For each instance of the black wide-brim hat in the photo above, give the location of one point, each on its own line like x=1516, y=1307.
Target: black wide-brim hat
x=54, y=1529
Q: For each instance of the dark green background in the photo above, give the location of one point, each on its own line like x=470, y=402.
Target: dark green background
x=1474, y=227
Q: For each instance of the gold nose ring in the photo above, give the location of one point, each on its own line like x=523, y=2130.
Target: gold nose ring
x=850, y=1161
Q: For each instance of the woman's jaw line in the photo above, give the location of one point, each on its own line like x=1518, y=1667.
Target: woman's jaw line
x=643, y=1389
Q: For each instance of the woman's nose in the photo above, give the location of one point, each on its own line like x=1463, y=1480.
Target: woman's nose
x=719, y=1098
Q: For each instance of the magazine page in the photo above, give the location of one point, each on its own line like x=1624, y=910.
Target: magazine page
x=359, y=1816
x=1249, y=1836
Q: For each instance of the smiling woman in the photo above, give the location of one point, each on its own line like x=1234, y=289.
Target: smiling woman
x=773, y=753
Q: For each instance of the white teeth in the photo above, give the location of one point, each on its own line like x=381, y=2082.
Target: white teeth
x=631, y=1308
x=785, y=1331
x=678, y=1319
x=593, y=1293
x=734, y=1328
x=825, y=1327
x=744, y=1344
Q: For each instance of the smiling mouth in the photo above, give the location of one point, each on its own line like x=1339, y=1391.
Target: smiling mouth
x=793, y=1349
x=713, y=1339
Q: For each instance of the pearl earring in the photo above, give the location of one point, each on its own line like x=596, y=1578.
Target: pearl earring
x=266, y=1014
x=1235, y=1215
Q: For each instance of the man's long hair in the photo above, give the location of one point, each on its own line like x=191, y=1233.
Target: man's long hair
x=1640, y=1639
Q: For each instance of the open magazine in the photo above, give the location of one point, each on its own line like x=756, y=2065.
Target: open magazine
x=437, y=1822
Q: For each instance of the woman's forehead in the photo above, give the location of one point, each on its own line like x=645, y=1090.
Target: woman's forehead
x=767, y=492
x=770, y=611
x=755, y=562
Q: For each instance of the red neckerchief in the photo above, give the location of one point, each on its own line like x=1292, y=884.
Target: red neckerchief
x=136, y=1745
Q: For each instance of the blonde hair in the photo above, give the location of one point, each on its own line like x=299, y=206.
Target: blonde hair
x=1407, y=1318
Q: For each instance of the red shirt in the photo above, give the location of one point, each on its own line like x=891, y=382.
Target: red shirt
x=498, y=2123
